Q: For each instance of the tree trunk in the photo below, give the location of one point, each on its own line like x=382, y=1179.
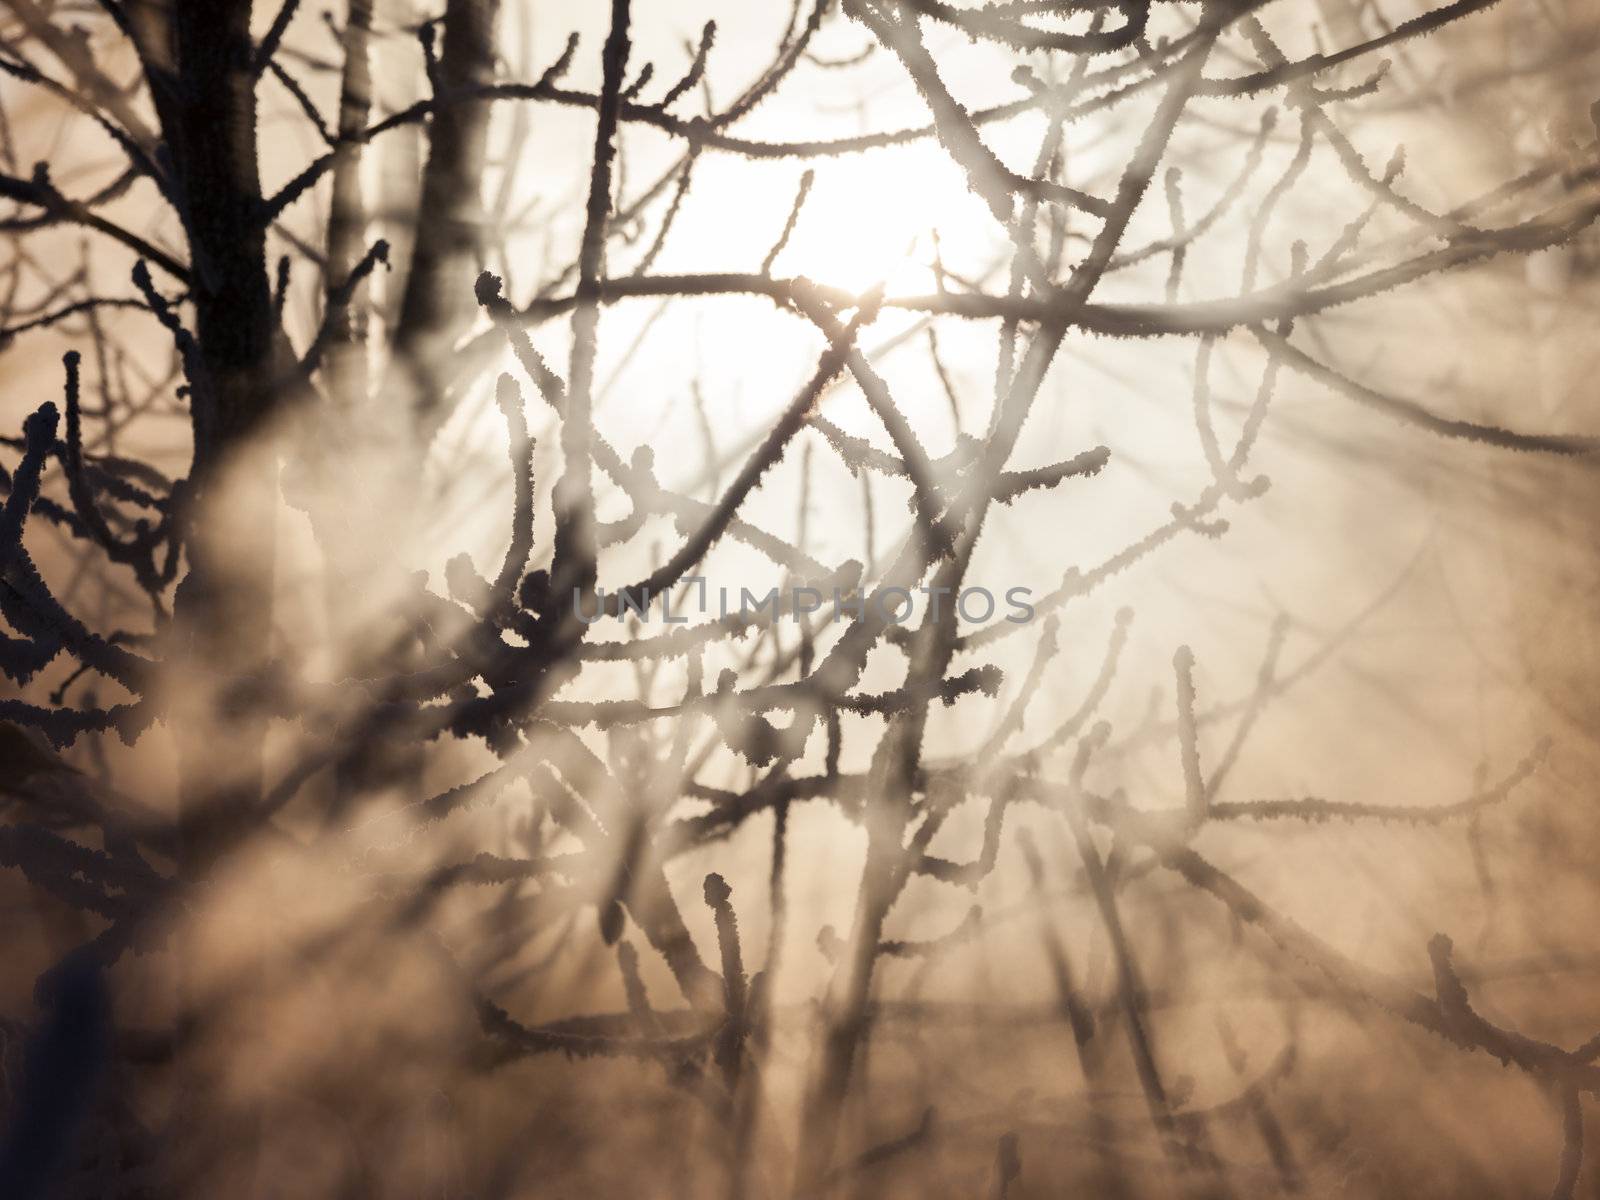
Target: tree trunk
x=439, y=302
x=199, y=55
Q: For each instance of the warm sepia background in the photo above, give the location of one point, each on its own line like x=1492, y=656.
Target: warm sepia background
x=1401, y=620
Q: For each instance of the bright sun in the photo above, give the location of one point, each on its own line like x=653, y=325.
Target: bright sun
x=874, y=219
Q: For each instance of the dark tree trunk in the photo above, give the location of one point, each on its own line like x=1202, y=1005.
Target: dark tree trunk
x=199, y=54
x=439, y=302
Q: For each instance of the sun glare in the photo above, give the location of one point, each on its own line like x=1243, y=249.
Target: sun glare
x=877, y=220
